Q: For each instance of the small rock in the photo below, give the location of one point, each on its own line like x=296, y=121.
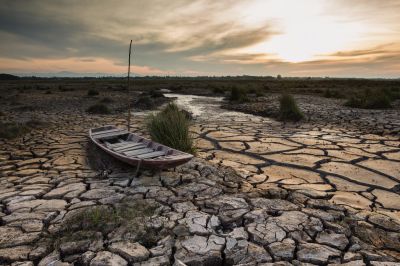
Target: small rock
x=283, y=250
x=133, y=252
x=106, y=258
x=338, y=241
x=314, y=253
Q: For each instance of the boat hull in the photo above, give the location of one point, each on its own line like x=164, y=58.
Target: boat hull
x=173, y=159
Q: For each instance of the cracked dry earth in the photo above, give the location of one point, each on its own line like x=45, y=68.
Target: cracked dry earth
x=261, y=194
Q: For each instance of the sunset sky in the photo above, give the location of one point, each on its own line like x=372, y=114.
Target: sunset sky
x=337, y=38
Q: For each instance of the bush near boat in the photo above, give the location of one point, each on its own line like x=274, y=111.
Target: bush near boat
x=171, y=128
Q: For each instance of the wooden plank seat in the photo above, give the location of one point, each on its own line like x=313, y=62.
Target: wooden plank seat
x=137, y=147
x=112, y=134
x=151, y=155
x=119, y=144
x=106, y=131
x=138, y=152
x=127, y=146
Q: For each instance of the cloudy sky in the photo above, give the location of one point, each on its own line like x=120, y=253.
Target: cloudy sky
x=343, y=38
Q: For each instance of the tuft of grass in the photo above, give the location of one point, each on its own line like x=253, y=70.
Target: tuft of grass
x=171, y=127
x=99, y=109
x=328, y=93
x=106, y=100
x=238, y=95
x=370, y=100
x=218, y=90
x=92, y=92
x=10, y=130
x=288, y=110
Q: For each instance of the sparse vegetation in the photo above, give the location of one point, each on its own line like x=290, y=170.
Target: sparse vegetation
x=99, y=108
x=288, y=109
x=171, y=127
x=132, y=216
x=92, y=92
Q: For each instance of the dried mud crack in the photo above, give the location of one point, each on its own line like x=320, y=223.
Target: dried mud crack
x=259, y=193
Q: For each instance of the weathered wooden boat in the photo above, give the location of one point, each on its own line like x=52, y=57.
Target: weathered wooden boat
x=136, y=150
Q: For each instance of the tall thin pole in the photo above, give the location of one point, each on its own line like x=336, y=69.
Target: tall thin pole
x=129, y=96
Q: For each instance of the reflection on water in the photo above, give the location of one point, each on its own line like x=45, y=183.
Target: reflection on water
x=206, y=108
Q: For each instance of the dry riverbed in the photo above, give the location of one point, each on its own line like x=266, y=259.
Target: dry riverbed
x=259, y=193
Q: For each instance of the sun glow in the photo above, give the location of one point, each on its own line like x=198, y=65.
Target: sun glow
x=305, y=31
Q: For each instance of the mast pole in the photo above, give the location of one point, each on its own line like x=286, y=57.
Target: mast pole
x=129, y=98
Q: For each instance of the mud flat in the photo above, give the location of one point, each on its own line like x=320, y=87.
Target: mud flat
x=259, y=193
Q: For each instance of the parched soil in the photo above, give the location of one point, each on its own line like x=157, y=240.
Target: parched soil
x=259, y=192
x=328, y=111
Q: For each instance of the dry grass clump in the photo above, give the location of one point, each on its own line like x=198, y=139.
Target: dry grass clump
x=171, y=127
x=92, y=92
x=238, y=95
x=328, y=93
x=288, y=110
x=98, y=109
x=11, y=130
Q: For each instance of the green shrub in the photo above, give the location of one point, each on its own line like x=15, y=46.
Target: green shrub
x=288, y=110
x=238, y=95
x=92, y=92
x=171, y=128
x=99, y=108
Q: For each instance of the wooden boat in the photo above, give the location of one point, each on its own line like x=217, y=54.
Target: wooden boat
x=135, y=150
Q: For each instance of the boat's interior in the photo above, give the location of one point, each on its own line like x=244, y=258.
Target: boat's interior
x=129, y=145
